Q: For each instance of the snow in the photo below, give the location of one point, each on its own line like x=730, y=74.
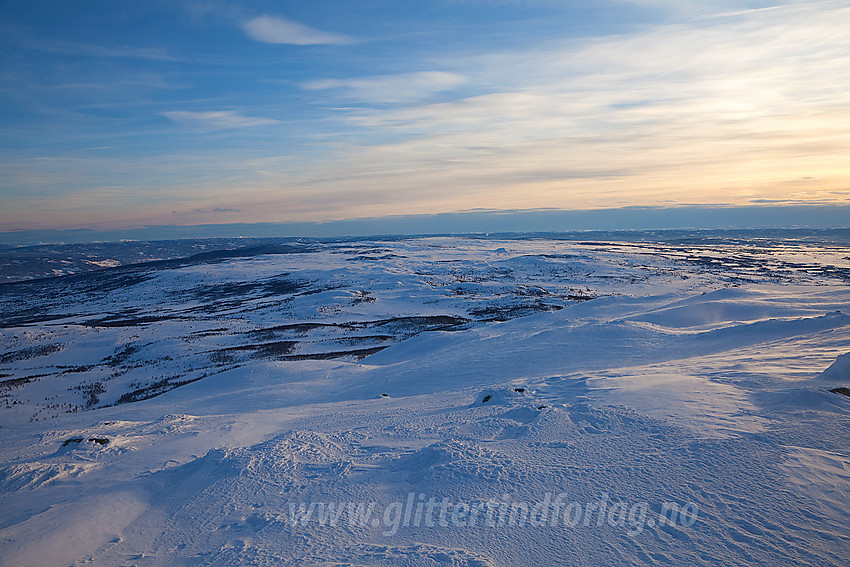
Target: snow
x=838, y=372
x=601, y=378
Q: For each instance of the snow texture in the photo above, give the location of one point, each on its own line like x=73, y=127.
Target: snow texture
x=221, y=410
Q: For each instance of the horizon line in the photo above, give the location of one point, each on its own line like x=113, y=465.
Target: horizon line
x=476, y=221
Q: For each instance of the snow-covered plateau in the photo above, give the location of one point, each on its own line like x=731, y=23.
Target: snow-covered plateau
x=432, y=401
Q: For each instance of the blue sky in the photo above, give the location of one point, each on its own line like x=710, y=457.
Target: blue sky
x=120, y=115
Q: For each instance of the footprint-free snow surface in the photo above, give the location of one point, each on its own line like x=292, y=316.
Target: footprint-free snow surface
x=432, y=401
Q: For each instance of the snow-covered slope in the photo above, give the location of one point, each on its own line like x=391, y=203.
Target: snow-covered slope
x=435, y=401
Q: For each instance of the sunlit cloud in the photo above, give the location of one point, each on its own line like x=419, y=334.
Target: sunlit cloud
x=270, y=29
x=723, y=110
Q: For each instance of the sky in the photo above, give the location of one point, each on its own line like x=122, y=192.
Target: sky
x=118, y=115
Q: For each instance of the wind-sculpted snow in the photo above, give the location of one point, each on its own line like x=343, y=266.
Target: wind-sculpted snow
x=432, y=401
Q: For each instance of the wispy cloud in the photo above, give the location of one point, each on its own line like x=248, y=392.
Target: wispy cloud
x=215, y=120
x=691, y=8
x=724, y=109
x=398, y=88
x=76, y=48
x=748, y=106
x=271, y=29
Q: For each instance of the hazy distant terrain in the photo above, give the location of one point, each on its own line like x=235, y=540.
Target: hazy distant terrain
x=49, y=260
x=178, y=411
